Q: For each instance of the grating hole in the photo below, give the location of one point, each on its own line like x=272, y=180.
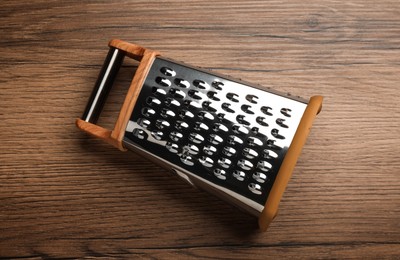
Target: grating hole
x=275, y=133
x=220, y=174
x=268, y=154
x=232, y=97
x=173, y=148
x=271, y=145
x=209, y=150
x=192, y=104
x=200, y=84
x=186, y=114
x=206, y=161
x=163, y=82
x=229, y=151
x=245, y=164
x=166, y=113
x=215, y=139
x=177, y=93
x=233, y=140
x=172, y=102
x=157, y=135
x=241, y=120
x=239, y=129
x=191, y=148
x=196, y=138
x=220, y=127
x=168, y=71
x=246, y=109
x=139, y=133
x=239, y=175
x=217, y=85
x=266, y=110
x=205, y=115
x=249, y=153
x=252, y=98
x=187, y=159
x=158, y=91
x=143, y=122
x=194, y=94
x=254, y=141
x=181, y=125
x=182, y=83
x=264, y=166
x=226, y=107
x=161, y=124
x=224, y=162
x=255, y=188
x=221, y=116
x=153, y=101
x=199, y=126
x=175, y=136
x=209, y=106
x=146, y=111
x=255, y=130
x=281, y=123
x=286, y=112
x=261, y=121
x=260, y=177
x=212, y=95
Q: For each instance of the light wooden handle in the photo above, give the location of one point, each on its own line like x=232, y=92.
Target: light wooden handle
x=118, y=49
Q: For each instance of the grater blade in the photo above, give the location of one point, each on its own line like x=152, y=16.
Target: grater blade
x=217, y=131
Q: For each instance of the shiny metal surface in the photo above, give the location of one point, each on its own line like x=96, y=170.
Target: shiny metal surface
x=218, y=133
x=104, y=82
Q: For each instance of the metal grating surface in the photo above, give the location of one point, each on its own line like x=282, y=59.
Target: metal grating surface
x=222, y=131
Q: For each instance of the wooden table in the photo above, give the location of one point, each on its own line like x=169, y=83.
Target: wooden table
x=64, y=195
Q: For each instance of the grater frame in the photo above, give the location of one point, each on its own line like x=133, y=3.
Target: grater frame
x=118, y=50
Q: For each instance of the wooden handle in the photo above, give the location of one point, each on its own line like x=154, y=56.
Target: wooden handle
x=87, y=123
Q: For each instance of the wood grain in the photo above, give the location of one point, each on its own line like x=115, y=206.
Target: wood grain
x=64, y=195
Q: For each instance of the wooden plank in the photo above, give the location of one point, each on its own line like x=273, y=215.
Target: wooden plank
x=65, y=195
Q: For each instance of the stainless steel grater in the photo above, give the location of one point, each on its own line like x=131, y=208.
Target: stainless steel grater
x=236, y=140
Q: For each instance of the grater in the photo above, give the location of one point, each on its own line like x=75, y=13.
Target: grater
x=231, y=138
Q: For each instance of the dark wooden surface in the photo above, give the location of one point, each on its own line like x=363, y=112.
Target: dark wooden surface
x=64, y=195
